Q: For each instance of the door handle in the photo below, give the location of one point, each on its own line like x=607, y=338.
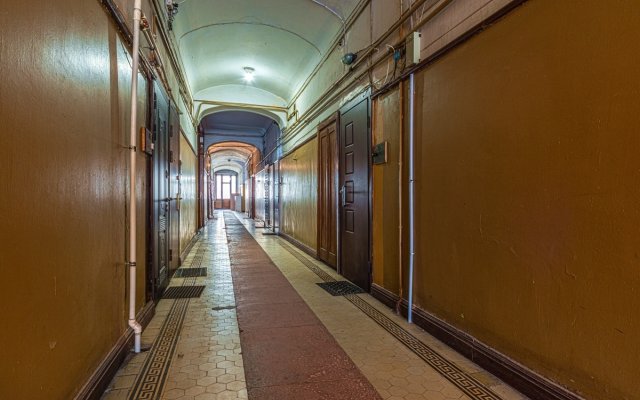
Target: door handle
x=343, y=192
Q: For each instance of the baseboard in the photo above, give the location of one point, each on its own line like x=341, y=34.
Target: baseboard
x=386, y=297
x=518, y=376
x=99, y=381
x=187, y=249
x=310, y=251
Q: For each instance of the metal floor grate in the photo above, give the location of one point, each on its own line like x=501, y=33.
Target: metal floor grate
x=190, y=272
x=183, y=292
x=340, y=288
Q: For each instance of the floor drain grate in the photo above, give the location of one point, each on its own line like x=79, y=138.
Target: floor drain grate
x=190, y=272
x=340, y=288
x=183, y=292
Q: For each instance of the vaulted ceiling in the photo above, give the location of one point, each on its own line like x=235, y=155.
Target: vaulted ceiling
x=230, y=155
x=283, y=40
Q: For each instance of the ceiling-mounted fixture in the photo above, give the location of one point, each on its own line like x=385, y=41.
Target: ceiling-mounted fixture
x=248, y=74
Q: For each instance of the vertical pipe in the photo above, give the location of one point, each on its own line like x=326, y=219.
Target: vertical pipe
x=401, y=210
x=411, y=196
x=137, y=328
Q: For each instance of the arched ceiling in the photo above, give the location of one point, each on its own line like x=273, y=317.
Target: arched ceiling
x=283, y=40
x=236, y=123
x=229, y=155
x=242, y=126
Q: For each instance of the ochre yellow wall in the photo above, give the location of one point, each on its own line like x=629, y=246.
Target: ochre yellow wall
x=528, y=191
x=299, y=194
x=386, y=192
x=188, y=190
x=64, y=99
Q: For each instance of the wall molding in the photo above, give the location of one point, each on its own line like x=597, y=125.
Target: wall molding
x=99, y=380
x=298, y=146
x=307, y=249
x=513, y=373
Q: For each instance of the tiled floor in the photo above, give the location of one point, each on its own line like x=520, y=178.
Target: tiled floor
x=288, y=353
x=207, y=360
x=395, y=371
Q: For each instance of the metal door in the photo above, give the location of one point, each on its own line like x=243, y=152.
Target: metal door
x=160, y=192
x=174, y=189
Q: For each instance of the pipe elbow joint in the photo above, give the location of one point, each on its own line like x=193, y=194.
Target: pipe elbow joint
x=135, y=325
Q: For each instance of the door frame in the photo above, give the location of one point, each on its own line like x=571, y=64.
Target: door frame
x=334, y=119
x=365, y=95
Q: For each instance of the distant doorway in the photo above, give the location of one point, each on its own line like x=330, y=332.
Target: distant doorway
x=225, y=186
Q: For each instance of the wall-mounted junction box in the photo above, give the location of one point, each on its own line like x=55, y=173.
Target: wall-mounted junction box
x=412, y=46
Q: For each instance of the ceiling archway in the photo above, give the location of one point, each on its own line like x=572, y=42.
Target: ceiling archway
x=210, y=110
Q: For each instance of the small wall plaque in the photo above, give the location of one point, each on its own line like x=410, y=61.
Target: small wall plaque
x=379, y=153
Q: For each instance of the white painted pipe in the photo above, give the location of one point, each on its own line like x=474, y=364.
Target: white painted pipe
x=412, y=252
x=135, y=325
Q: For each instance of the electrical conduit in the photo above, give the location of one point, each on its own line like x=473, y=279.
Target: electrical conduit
x=412, y=251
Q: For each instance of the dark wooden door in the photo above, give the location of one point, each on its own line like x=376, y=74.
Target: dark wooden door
x=354, y=193
x=327, y=192
x=174, y=189
x=160, y=192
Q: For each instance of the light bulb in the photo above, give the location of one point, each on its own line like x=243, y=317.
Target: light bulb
x=248, y=74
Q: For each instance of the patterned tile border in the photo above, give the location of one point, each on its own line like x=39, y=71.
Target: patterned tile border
x=152, y=378
x=463, y=381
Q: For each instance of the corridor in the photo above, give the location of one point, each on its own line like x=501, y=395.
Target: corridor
x=264, y=328
x=320, y=199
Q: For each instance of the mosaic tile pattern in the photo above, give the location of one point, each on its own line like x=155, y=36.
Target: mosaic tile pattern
x=152, y=378
x=205, y=361
x=208, y=363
